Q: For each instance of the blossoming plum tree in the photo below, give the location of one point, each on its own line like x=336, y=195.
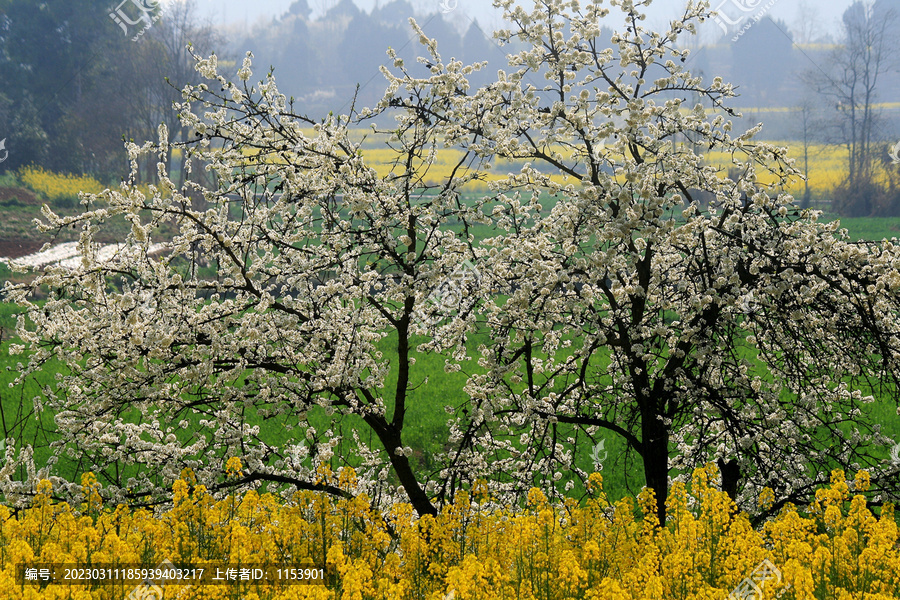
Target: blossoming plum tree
x=747, y=332
x=610, y=298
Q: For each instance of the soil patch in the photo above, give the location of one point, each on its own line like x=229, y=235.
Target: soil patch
x=19, y=248
x=10, y=196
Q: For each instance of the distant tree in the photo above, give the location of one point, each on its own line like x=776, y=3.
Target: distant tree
x=477, y=47
x=90, y=82
x=807, y=27
x=93, y=126
x=362, y=51
x=851, y=81
x=885, y=7
x=598, y=298
x=295, y=59
x=21, y=128
x=366, y=37
x=448, y=39
x=292, y=46
x=344, y=10
x=762, y=61
x=172, y=69
x=807, y=127
x=300, y=8
x=393, y=13
x=54, y=57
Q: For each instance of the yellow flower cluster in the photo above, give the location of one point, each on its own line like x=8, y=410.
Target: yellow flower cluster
x=53, y=186
x=827, y=167
x=591, y=550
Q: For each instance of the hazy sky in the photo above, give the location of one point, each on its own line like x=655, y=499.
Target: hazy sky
x=826, y=13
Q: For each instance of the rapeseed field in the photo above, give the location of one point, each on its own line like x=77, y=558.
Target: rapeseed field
x=588, y=549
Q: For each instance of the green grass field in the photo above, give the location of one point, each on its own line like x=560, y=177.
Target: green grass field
x=426, y=406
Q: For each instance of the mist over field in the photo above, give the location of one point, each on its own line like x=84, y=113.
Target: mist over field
x=326, y=57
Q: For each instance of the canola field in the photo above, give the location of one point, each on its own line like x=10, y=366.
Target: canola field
x=590, y=549
x=827, y=169
x=826, y=164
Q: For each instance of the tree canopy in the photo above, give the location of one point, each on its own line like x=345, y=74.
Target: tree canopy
x=604, y=299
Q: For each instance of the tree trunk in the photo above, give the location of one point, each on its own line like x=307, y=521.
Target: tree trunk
x=390, y=438
x=731, y=476
x=656, y=461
